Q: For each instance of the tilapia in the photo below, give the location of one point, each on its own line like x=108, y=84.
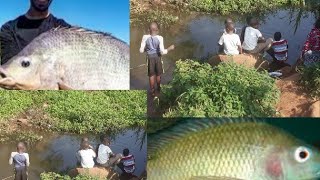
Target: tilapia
x=69, y=58
x=242, y=150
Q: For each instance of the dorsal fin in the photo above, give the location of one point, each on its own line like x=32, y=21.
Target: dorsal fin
x=185, y=126
x=86, y=31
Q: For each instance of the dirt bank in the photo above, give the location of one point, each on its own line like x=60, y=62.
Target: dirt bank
x=294, y=100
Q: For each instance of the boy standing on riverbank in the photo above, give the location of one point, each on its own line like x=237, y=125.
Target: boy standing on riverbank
x=230, y=41
x=20, y=160
x=153, y=45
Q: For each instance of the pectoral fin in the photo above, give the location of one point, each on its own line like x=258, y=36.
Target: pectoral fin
x=214, y=178
x=63, y=86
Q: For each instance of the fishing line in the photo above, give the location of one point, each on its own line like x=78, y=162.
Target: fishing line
x=8, y=177
x=141, y=65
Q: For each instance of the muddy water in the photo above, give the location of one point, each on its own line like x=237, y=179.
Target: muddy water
x=56, y=153
x=196, y=36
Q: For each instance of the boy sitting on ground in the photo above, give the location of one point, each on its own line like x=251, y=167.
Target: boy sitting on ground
x=106, y=157
x=86, y=155
x=127, y=162
x=230, y=41
x=280, y=47
x=254, y=42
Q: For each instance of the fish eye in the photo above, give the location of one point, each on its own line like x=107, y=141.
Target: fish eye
x=301, y=154
x=25, y=64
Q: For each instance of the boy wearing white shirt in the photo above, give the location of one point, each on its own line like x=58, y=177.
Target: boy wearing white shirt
x=230, y=41
x=153, y=45
x=254, y=42
x=20, y=160
x=106, y=157
x=86, y=155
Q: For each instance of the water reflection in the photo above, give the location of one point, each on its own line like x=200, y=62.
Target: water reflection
x=56, y=153
x=196, y=36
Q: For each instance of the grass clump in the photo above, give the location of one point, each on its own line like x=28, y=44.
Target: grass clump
x=227, y=90
x=311, y=79
x=231, y=6
x=76, y=111
x=163, y=18
x=55, y=176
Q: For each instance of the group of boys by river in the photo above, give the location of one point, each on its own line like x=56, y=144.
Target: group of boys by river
x=251, y=41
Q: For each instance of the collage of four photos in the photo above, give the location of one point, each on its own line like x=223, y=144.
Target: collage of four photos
x=160, y=90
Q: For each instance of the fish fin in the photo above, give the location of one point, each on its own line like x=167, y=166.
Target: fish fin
x=63, y=86
x=214, y=178
x=85, y=31
x=183, y=127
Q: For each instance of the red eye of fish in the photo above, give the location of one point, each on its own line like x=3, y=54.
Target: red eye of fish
x=303, y=154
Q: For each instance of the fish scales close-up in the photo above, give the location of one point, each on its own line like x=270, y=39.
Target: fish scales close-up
x=160, y=90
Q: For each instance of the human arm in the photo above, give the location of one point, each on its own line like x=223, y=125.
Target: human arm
x=27, y=159
x=239, y=45
x=9, y=46
x=311, y=39
x=11, y=158
x=164, y=51
x=93, y=153
x=78, y=156
x=143, y=44
x=261, y=39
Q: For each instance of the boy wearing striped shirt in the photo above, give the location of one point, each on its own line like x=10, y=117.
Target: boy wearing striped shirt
x=127, y=162
x=280, y=47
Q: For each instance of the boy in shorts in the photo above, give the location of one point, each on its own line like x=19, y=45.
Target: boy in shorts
x=153, y=45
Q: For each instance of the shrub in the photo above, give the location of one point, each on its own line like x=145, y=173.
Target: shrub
x=55, y=176
x=229, y=6
x=311, y=79
x=77, y=111
x=227, y=90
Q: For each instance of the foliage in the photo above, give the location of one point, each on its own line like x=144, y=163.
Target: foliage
x=77, y=111
x=163, y=18
x=227, y=90
x=55, y=176
x=311, y=79
x=229, y=6
x=13, y=103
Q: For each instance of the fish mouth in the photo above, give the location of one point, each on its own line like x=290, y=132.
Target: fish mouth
x=8, y=83
x=5, y=81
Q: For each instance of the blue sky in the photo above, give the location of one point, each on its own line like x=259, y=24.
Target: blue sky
x=102, y=15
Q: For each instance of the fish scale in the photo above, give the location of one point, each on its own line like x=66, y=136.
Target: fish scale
x=87, y=60
x=232, y=150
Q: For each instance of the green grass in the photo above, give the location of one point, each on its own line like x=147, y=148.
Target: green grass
x=311, y=79
x=232, y=6
x=53, y=176
x=227, y=90
x=76, y=111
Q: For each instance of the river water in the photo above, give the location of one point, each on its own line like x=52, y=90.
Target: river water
x=196, y=36
x=57, y=153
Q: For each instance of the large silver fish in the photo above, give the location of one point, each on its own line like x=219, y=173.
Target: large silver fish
x=246, y=150
x=69, y=58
